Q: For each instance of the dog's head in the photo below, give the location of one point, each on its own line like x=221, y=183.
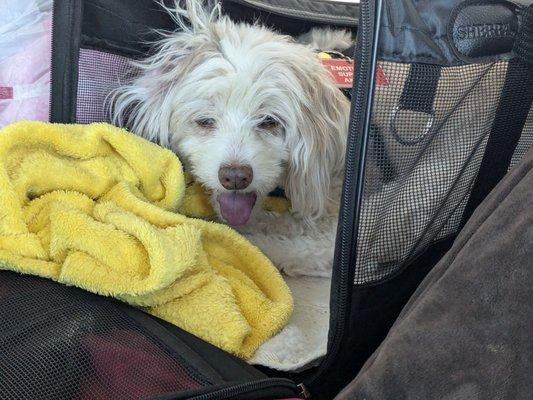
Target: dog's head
x=246, y=109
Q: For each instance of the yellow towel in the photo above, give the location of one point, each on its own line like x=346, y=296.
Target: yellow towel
x=95, y=207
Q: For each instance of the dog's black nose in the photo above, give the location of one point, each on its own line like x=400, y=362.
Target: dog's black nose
x=235, y=177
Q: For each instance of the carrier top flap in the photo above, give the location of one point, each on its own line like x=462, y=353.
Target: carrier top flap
x=321, y=11
x=129, y=27
x=451, y=32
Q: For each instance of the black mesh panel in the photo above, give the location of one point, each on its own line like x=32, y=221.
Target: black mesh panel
x=425, y=150
x=58, y=342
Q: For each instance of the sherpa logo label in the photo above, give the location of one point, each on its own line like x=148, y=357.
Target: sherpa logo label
x=484, y=31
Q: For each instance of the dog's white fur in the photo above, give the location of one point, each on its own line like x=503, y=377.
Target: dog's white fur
x=236, y=75
x=327, y=39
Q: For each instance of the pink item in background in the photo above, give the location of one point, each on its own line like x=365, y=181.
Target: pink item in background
x=128, y=365
x=25, y=59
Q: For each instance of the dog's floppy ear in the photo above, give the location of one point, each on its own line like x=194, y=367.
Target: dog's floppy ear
x=142, y=103
x=317, y=142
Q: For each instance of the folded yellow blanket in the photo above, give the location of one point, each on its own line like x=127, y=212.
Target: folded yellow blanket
x=96, y=207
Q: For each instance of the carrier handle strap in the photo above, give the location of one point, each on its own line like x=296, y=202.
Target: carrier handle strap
x=418, y=95
x=420, y=88
x=511, y=114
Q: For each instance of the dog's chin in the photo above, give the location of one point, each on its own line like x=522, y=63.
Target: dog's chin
x=235, y=207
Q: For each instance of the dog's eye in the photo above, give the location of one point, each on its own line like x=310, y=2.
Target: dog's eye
x=268, y=123
x=206, y=123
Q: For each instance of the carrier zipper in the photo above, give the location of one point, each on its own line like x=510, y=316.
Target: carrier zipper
x=348, y=221
x=303, y=391
x=249, y=387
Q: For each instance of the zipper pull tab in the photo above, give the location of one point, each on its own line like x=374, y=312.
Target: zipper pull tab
x=304, y=393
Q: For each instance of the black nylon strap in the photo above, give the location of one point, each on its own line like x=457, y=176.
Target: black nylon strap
x=514, y=106
x=418, y=95
x=66, y=37
x=420, y=88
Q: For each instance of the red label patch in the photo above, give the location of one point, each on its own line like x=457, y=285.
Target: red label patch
x=381, y=78
x=342, y=72
x=6, y=93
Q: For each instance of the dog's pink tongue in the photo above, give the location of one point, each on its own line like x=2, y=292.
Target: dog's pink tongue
x=236, y=207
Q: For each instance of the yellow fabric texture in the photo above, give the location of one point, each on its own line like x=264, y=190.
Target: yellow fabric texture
x=96, y=207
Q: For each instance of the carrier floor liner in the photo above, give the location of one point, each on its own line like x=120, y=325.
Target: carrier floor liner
x=303, y=342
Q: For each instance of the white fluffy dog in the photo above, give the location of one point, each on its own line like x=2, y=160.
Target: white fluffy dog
x=248, y=111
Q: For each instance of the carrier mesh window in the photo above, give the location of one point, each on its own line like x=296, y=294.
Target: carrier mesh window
x=98, y=74
x=63, y=349
x=421, y=165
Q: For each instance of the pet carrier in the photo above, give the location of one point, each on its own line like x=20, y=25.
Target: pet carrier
x=451, y=116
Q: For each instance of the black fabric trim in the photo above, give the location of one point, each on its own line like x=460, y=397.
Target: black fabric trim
x=244, y=390
x=66, y=33
x=320, y=11
x=416, y=31
x=91, y=43
x=524, y=40
x=127, y=27
x=511, y=115
x=281, y=23
x=123, y=27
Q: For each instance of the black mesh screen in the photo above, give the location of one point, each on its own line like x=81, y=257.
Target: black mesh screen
x=58, y=342
x=429, y=130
